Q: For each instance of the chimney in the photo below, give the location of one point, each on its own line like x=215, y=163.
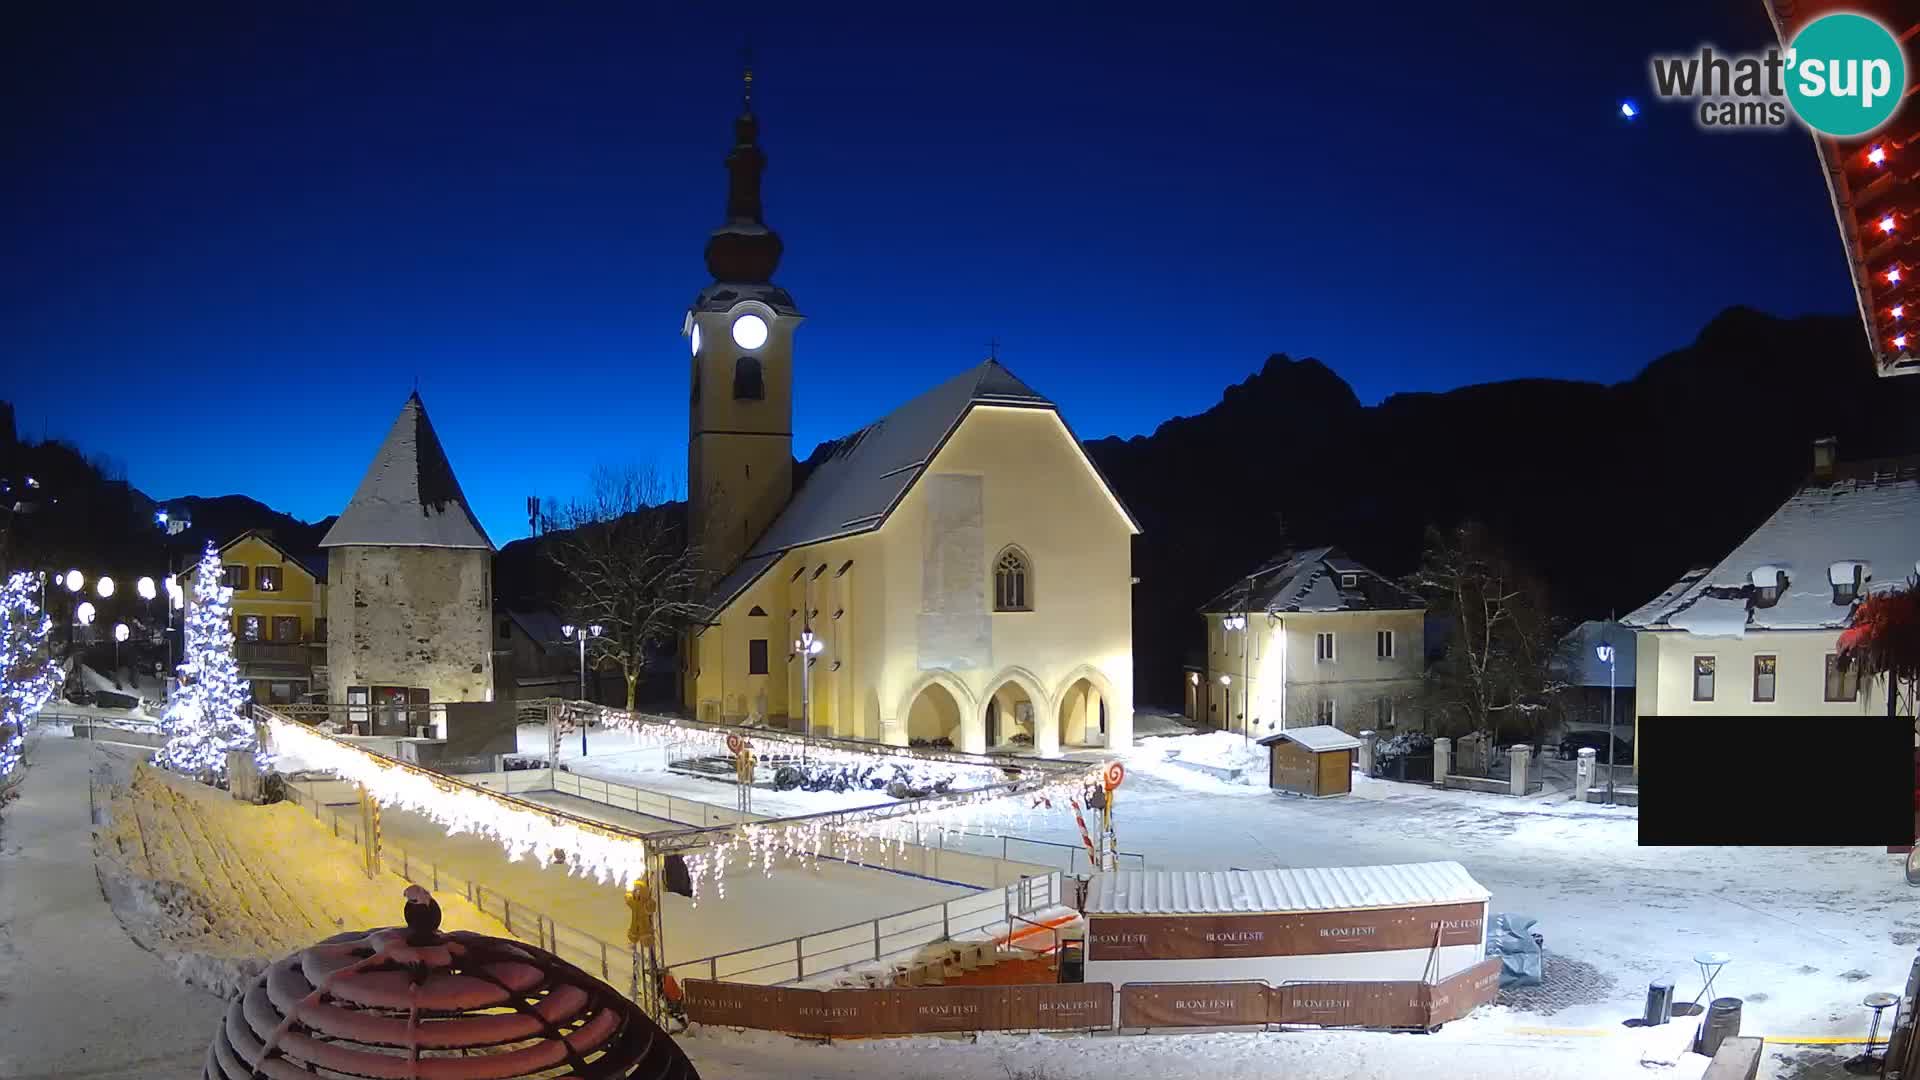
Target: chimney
x=1825, y=453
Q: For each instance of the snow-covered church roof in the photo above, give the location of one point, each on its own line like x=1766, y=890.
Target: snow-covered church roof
x=866, y=474
x=1315, y=579
x=409, y=497
x=1867, y=515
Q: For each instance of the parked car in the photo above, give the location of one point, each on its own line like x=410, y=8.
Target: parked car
x=1577, y=741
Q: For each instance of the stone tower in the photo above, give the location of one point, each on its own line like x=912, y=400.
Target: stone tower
x=409, y=580
x=740, y=328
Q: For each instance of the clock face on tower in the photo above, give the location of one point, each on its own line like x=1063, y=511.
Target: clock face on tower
x=696, y=339
x=749, y=332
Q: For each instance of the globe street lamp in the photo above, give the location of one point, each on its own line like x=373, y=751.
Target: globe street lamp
x=582, y=633
x=104, y=586
x=73, y=581
x=84, y=613
x=808, y=647
x=1605, y=652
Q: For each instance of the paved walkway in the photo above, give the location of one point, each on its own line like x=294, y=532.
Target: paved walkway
x=68, y=971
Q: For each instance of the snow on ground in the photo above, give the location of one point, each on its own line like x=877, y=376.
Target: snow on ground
x=77, y=997
x=220, y=888
x=1811, y=930
x=1460, y=1051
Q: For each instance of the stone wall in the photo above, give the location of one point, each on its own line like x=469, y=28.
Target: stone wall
x=410, y=616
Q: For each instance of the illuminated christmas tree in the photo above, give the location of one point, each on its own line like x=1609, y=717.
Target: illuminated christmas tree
x=28, y=675
x=208, y=715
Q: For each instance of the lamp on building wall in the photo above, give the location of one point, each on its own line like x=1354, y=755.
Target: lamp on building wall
x=1606, y=654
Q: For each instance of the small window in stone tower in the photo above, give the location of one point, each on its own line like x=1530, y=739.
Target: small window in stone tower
x=757, y=656
x=747, y=383
x=1012, y=582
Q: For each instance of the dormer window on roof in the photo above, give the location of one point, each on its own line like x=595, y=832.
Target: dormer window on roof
x=1848, y=578
x=1768, y=583
x=1348, y=581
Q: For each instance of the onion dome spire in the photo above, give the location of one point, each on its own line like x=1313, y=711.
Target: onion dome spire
x=744, y=250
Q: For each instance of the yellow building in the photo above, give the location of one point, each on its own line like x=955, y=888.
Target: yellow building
x=957, y=572
x=1310, y=638
x=279, y=615
x=1759, y=633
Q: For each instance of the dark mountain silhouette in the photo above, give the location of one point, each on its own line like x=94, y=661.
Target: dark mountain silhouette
x=1609, y=492
x=220, y=518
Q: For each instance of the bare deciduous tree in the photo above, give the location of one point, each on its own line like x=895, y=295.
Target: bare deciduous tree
x=1498, y=674
x=624, y=551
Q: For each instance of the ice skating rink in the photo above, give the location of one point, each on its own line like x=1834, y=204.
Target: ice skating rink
x=799, y=898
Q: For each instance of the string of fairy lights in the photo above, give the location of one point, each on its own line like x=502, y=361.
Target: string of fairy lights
x=610, y=855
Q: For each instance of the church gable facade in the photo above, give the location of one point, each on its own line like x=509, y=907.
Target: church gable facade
x=956, y=574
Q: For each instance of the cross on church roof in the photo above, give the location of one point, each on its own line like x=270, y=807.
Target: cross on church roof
x=993, y=348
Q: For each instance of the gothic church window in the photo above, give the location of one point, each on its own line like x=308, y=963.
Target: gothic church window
x=1012, y=581
x=747, y=383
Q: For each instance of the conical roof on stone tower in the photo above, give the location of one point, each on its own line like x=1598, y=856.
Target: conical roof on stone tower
x=409, y=497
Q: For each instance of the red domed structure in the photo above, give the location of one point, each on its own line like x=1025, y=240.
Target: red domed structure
x=418, y=1004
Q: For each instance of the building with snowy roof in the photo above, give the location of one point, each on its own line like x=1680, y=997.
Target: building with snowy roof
x=279, y=614
x=409, y=590
x=956, y=572
x=1310, y=637
x=1757, y=632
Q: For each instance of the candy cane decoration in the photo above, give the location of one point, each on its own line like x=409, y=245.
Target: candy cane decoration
x=1085, y=836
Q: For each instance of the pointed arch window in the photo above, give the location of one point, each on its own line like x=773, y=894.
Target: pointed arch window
x=1012, y=581
x=747, y=383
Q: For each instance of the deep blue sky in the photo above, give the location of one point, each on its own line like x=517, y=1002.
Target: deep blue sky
x=232, y=237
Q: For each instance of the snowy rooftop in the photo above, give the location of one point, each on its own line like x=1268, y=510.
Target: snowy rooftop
x=866, y=474
x=1869, y=515
x=1314, y=580
x=1318, y=738
x=409, y=497
x=1338, y=888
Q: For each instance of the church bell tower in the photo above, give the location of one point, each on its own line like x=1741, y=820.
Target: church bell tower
x=740, y=329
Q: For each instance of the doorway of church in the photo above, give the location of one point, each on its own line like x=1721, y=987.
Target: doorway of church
x=1083, y=715
x=993, y=723
x=934, y=718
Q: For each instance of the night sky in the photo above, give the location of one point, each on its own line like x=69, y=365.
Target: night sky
x=232, y=238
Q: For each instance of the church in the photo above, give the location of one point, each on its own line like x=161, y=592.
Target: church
x=956, y=573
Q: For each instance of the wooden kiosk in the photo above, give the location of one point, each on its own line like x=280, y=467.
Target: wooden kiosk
x=1313, y=761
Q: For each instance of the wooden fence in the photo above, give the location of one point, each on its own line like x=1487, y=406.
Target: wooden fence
x=855, y=1013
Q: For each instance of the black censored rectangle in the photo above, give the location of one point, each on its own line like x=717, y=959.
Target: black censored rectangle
x=1776, y=781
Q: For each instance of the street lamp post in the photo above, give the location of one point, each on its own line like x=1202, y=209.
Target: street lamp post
x=581, y=634
x=1605, y=652
x=1239, y=623
x=120, y=633
x=808, y=647
x=74, y=582
x=1226, y=714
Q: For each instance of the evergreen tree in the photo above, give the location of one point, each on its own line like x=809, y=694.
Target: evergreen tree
x=28, y=675
x=208, y=716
